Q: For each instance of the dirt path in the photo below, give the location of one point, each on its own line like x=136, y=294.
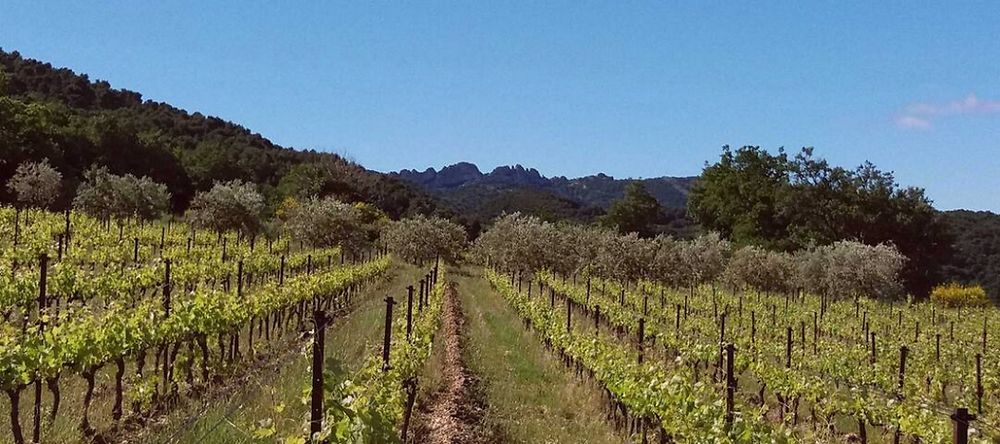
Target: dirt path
x=456, y=413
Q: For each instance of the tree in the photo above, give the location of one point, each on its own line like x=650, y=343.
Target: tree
x=636, y=212
x=36, y=184
x=234, y=205
x=742, y=197
x=760, y=269
x=328, y=222
x=755, y=198
x=421, y=239
x=373, y=220
x=105, y=196
x=704, y=258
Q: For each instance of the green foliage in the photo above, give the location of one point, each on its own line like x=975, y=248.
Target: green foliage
x=977, y=249
x=636, y=212
x=366, y=407
x=672, y=397
x=754, y=197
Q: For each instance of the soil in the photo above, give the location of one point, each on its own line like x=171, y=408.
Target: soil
x=456, y=413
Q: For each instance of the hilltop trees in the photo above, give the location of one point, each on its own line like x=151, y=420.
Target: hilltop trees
x=787, y=203
x=35, y=184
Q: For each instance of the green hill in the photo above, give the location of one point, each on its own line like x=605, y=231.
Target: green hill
x=55, y=113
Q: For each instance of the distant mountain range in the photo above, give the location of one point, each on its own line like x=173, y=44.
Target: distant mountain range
x=597, y=192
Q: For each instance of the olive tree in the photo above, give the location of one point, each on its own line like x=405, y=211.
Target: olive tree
x=105, y=196
x=855, y=269
x=234, y=205
x=668, y=266
x=35, y=184
x=328, y=222
x=626, y=258
x=583, y=247
x=508, y=242
x=704, y=258
x=761, y=269
x=420, y=239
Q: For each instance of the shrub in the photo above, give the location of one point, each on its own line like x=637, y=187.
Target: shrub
x=957, y=295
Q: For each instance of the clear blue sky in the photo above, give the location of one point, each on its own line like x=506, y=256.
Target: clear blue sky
x=571, y=88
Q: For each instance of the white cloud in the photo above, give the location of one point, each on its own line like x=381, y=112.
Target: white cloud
x=913, y=122
x=922, y=115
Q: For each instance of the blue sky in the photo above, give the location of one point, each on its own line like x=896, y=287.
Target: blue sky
x=572, y=88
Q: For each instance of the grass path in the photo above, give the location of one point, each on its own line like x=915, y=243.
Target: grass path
x=531, y=397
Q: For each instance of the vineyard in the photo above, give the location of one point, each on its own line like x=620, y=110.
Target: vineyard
x=171, y=309
x=709, y=362
x=684, y=341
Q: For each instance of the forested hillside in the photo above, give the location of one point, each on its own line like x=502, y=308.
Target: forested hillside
x=976, y=257
x=74, y=122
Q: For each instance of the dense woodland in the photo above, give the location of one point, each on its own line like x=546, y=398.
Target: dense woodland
x=976, y=257
x=750, y=196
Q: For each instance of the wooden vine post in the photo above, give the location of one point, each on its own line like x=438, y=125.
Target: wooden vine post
x=677, y=321
x=788, y=348
x=722, y=344
x=166, y=314
x=874, y=350
x=281, y=272
x=730, y=385
x=43, y=267
x=903, y=351
x=409, y=311
x=420, y=299
x=569, y=316
x=979, y=383
x=387, y=339
x=984, y=335
x=960, y=426
x=316, y=410
x=642, y=333
x=597, y=320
